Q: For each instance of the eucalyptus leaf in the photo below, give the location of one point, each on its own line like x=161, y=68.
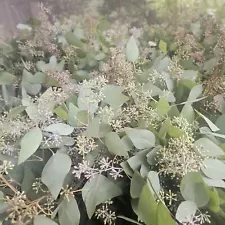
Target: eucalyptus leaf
x=163, y=46
x=28, y=180
x=59, y=128
x=185, y=211
x=220, y=123
x=69, y=213
x=136, y=161
x=142, y=139
x=147, y=207
x=15, y=111
x=210, y=148
x=96, y=129
x=214, y=169
x=136, y=185
x=114, y=97
x=214, y=201
x=194, y=189
x=164, y=215
x=61, y=113
x=188, y=113
x=59, y=164
x=73, y=40
x=132, y=51
x=98, y=190
x=6, y=78
x=163, y=107
x=29, y=144
x=72, y=114
x=214, y=182
x=115, y=145
x=153, y=179
x=43, y=220
x=212, y=126
x=195, y=93
x=86, y=102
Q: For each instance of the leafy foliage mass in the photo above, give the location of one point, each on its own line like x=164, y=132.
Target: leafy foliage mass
x=100, y=125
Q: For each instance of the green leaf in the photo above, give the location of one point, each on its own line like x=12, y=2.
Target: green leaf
x=154, y=90
x=189, y=74
x=175, y=131
x=115, y=145
x=59, y=128
x=73, y=40
x=164, y=216
x=147, y=207
x=6, y=78
x=42, y=220
x=113, y=96
x=212, y=126
x=142, y=139
x=79, y=33
x=72, y=114
x=41, y=66
x=96, y=129
x=206, y=131
x=98, y=190
x=214, y=183
x=132, y=51
x=194, y=189
x=83, y=118
x=153, y=177
x=220, y=123
x=195, y=92
x=15, y=111
x=85, y=101
x=61, y=113
x=100, y=56
x=185, y=211
x=81, y=75
x=163, y=107
x=214, y=201
x=210, y=64
x=29, y=144
x=136, y=185
x=55, y=171
x=28, y=180
x=152, y=155
x=69, y=213
x=210, y=148
x=214, y=169
x=163, y=46
x=188, y=113
x=137, y=160
x=38, y=78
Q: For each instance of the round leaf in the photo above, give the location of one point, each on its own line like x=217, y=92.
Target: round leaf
x=185, y=211
x=59, y=128
x=142, y=139
x=214, y=169
x=194, y=189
